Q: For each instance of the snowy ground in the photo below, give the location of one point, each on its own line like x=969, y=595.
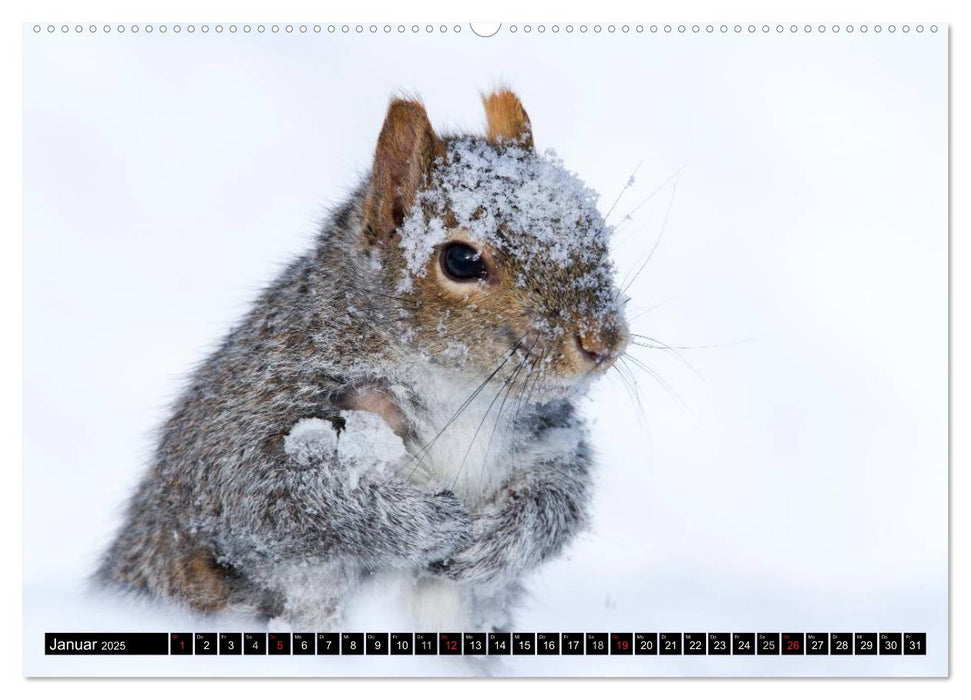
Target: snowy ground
x=796, y=482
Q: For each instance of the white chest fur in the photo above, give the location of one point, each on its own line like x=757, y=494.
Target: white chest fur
x=466, y=443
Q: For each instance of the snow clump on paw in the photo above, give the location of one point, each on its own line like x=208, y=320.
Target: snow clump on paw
x=368, y=441
x=360, y=440
x=311, y=439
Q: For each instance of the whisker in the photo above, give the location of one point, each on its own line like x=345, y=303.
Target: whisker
x=642, y=416
x=657, y=242
x=658, y=345
x=374, y=293
x=630, y=183
x=628, y=216
x=509, y=390
x=641, y=312
x=660, y=380
x=539, y=375
x=468, y=450
x=534, y=366
x=495, y=425
x=691, y=347
x=424, y=451
x=631, y=391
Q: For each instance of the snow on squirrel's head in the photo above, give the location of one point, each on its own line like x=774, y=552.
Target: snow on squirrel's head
x=496, y=251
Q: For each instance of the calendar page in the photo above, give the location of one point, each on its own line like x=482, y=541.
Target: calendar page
x=439, y=349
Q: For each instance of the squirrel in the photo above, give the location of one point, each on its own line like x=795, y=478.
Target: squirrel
x=401, y=400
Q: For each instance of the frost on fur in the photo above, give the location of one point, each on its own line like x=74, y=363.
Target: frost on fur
x=516, y=201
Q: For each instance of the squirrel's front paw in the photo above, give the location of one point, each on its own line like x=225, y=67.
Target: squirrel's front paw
x=468, y=565
x=448, y=527
x=486, y=557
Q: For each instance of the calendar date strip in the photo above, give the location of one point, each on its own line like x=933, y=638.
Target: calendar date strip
x=487, y=644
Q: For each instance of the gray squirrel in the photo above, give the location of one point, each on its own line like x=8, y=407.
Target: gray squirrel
x=399, y=402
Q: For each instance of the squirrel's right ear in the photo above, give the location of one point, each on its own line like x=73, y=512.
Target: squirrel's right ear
x=507, y=120
x=406, y=152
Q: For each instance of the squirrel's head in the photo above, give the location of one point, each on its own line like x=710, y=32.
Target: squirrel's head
x=497, y=253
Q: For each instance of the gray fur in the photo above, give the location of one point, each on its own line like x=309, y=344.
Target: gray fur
x=226, y=519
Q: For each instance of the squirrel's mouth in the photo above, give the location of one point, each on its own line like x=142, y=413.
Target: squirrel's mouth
x=562, y=360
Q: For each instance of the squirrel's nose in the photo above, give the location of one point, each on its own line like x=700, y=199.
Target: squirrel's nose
x=592, y=347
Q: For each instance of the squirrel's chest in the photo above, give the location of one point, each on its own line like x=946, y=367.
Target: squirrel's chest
x=467, y=444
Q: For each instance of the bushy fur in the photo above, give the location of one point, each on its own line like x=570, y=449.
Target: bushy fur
x=227, y=519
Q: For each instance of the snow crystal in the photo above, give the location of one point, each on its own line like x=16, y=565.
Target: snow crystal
x=363, y=443
x=526, y=204
x=456, y=350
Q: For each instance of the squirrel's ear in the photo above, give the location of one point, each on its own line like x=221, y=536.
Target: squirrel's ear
x=507, y=119
x=406, y=152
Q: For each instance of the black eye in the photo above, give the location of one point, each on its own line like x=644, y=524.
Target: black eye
x=463, y=263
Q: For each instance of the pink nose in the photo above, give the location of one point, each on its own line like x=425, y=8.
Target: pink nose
x=592, y=347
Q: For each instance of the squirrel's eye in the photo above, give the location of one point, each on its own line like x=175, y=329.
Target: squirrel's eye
x=463, y=263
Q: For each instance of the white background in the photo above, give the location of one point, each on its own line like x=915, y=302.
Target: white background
x=687, y=394
x=797, y=479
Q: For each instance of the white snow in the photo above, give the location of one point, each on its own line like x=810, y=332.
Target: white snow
x=364, y=443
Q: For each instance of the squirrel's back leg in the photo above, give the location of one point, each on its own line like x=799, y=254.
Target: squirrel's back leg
x=158, y=561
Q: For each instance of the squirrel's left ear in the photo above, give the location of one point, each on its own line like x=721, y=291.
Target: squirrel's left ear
x=403, y=160
x=507, y=120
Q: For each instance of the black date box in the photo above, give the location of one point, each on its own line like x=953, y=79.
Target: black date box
x=621, y=643
x=719, y=643
x=180, y=643
x=793, y=643
x=474, y=643
x=352, y=643
x=767, y=643
x=402, y=644
x=328, y=643
x=376, y=643
x=743, y=643
x=891, y=643
x=304, y=643
x=865, y=643
x=915, y=643
x=571, y=643
x=645, y=643
x=230, y=643
x=254, y=642
x=205, y=643
x=817, y=643
x=596, y=643
x=669, y=643
x=841, y=644
x=548, y=643
x=279, y=643
x=426, y=643
x=500, y=643
x=523, y=643
x=695, y=643
x=450, y=644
